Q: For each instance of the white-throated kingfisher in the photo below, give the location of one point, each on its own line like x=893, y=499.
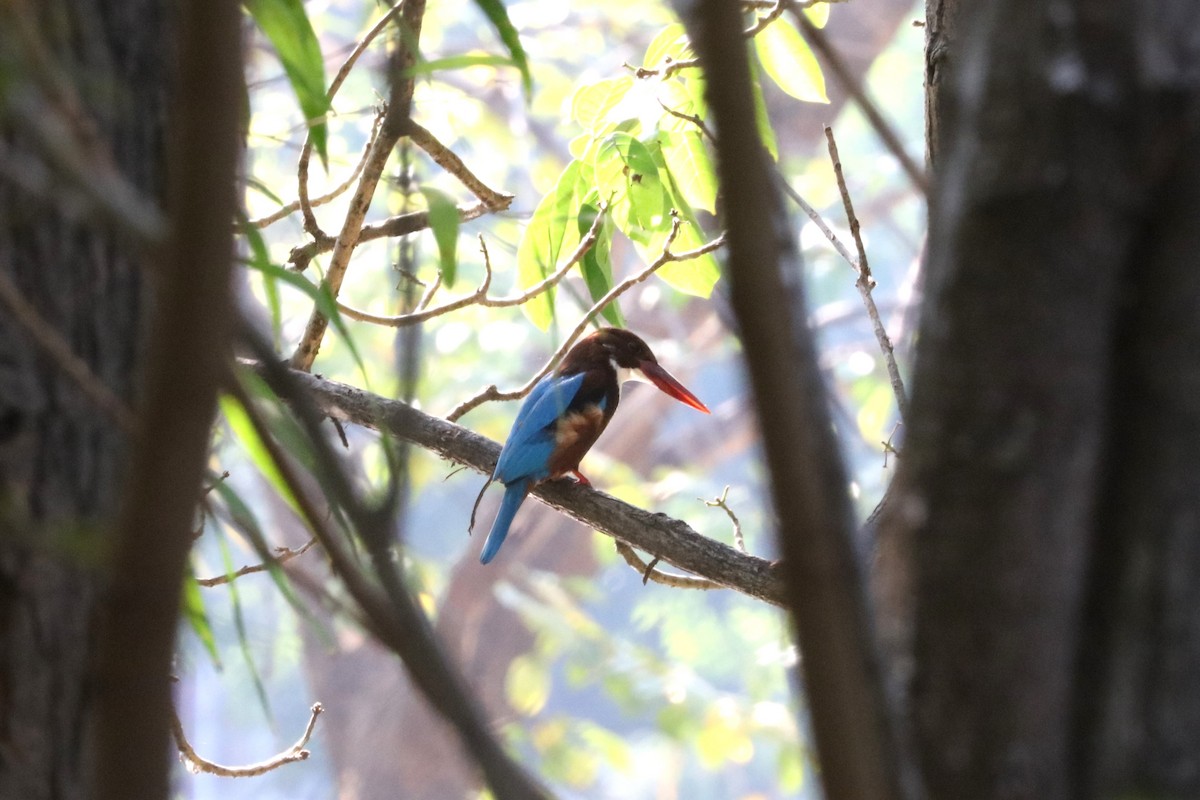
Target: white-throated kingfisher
x=565, y=413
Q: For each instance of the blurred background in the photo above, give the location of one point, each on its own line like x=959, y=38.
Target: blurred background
x=605, y=687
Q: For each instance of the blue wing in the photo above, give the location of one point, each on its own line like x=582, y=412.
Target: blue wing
x=526, y=453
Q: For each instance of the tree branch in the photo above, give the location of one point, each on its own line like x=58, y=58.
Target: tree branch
x=197, y=763
x=671, y=540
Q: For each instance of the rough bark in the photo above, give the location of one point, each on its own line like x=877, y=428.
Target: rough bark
x=59, y=457
x=1054, y=517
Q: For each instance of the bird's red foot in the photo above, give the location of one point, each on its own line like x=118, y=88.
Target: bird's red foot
x=579, y=476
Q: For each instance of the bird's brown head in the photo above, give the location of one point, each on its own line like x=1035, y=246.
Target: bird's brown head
x=630, y=358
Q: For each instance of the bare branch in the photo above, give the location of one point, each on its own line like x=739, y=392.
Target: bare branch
x=866, y=283
x=310, y=221
x=395, y=119
x=480, y=297
x=448, y=160
x=282, y=556
x=296, y=205
x=739, y=540
x=196, y=763
x=494, y=393
x=400, y=225
x=649, y=573
x=656, y=534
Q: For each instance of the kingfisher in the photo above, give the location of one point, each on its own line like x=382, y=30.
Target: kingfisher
x=565, y=414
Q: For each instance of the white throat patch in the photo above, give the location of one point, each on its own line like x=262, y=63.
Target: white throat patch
x=628, y=374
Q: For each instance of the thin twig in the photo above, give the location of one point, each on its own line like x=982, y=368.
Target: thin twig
x=479, y=296
x=667, y=257
x=866, y=283
x=774, y=9
x=819, y=221
x=52, y=343
x=775, y=12
x=448, y=160
x=310, y=220
x=196, y=763
x=296, y=205
x=649, y=573
x=739, y=540
x=692, y=118
x=820, y=44
x=282, y=556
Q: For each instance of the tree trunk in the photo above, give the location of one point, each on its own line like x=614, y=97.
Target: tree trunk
x=1046, y=486
x=59, y=456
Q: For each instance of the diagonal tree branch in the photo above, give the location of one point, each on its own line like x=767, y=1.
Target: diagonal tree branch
x=669, y=539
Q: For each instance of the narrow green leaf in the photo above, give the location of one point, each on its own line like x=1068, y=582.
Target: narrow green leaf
x=321, y=298
x=443, y=219
x=239, y=624
x=264, y=190
x=242, y=518
x=537, y=254
x=592, y=102
x=286, y=25
x=597, y=265
x=790, y=62
x=761, y=117
x=457, y=62
x=260, y=256
x=197, y=617
x=498, y=15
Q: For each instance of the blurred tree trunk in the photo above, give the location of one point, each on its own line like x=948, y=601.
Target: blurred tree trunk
x=1047, y=486
x=59, y=456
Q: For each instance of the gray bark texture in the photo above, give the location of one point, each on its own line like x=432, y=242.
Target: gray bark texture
x=1048, y=490
x=59, y=456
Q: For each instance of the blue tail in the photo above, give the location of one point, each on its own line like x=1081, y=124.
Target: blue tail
x=514, y=495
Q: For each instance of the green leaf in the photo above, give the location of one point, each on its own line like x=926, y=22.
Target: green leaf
x=426, y=67
x=818, y=14
x=670, y=44
x=597, y=265
x=321, y=298
x=537, y=254
x=242, y=518
x=443, y=219
x=261, y=257
x=626, y=171
x=264, y=190
x=197, y=616
x=527, y=685
x=498, y=15
x=286, y=25
x=790, y=62
x=592, y=102
x=239, y=624
x=696, y=276
x=691, y=168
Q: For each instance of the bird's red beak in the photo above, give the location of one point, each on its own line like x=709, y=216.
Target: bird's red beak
x=666, y=382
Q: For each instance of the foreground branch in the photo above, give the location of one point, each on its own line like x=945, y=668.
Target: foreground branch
x=668, y=539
